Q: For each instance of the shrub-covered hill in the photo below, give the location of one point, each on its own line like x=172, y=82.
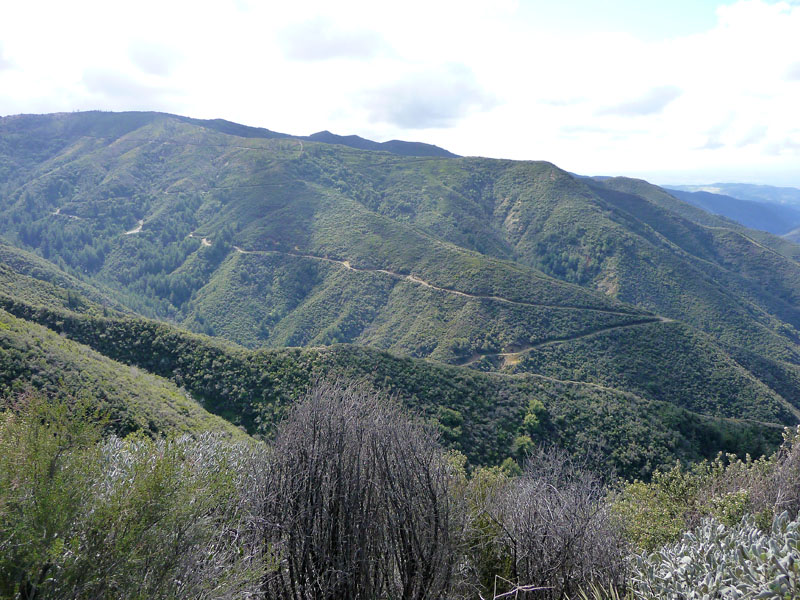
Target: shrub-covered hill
x=34, y=358
x=654, y=359
x=740, y=285
x=271, y=241
x=626, y=238
x=311, y=263
x=489, y=417
x=707, y=379
x=29, y=277
x=473, y=225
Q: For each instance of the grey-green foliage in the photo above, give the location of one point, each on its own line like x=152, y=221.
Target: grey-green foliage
x=179, y=520
x=716, y=561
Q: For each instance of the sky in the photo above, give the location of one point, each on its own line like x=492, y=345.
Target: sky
x=686, y=91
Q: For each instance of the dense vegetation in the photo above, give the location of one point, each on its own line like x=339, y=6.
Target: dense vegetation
x=511, y=307
x=471, y=225
x=87, y=517
x=354, y=498
x=506, y=266
x=489, y=417
x=35, y=358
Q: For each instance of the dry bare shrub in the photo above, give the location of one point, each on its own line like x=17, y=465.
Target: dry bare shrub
x=557, y=527
x=361, y=508
x=785, y=478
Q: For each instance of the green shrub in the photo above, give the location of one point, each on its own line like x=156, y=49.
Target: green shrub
x=488, y=555
x=135, y=518
x=727, y=488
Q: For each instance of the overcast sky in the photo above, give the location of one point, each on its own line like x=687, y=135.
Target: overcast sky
x=685, y=91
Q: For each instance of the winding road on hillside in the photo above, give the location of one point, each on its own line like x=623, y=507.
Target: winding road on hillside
x=57, y=212
x=511, y=358
x=416, y=280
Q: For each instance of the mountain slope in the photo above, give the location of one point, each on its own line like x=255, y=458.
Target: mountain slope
x=282, y=224
x=483, y=415
x=632, y=247
x=27, y=276
x=514, y=267
x=33, y=357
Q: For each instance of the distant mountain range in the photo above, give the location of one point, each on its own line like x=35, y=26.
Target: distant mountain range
x=508, y=301
x=352, y=141
x=764, y=207
x=779, y=219
x=748, y=191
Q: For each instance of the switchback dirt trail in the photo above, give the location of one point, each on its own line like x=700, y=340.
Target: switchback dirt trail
x=509, y=358
x=416, y=280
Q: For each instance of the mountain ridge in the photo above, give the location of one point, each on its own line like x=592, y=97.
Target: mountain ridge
x=514, y=269
x=399, y=147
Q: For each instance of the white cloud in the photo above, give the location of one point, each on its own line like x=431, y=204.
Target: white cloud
x=756, y=134
x=652, y=102
x=474, y=77
x=5, y=63
x=322, y=39
x=109, y=85
x=154, y=58
x=431, y=98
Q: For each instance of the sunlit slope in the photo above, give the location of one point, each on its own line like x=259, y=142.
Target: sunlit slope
x=33, y=358
x=653, y=357
x=257, y=207
x=483, y=415
x=275, y=241
x=285, y=299
x=26, y=275
x=625, y=238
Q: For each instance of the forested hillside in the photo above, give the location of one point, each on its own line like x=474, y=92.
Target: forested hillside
x=488, y=417
x=33, y=357
x=631, y=317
